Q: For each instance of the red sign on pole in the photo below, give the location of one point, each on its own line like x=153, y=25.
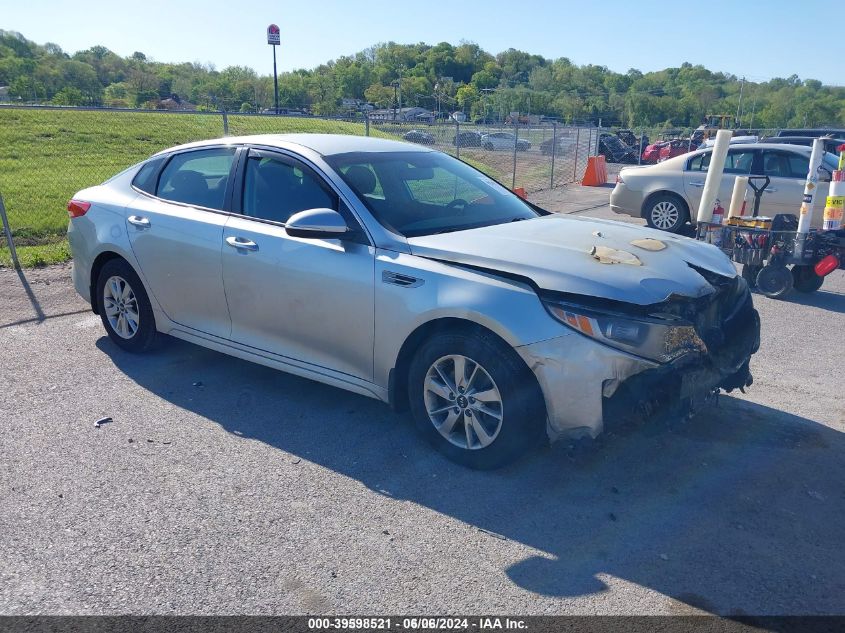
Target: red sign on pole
x=273, y=35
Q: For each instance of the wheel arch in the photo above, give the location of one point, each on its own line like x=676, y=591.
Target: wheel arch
x=96, y=267
x=664, y=192
x=397, y=387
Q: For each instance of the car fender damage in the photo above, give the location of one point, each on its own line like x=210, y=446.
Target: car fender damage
x=589, y=386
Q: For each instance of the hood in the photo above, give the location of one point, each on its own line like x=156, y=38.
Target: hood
x=555, y=253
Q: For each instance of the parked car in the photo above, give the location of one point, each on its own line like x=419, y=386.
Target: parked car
x=830, y=144
x=467, y=139
x=814, y=133
x=564, y=144
x=651, y=154
x=418, y=136
x=403, y=274
x=738, y=139
x=615, y=151
x=667, y=194
x=504, y=140
x=677, y=147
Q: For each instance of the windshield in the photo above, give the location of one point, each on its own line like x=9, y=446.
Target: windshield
x=422, y=193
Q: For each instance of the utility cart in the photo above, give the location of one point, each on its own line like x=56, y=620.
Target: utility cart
x=766, y=248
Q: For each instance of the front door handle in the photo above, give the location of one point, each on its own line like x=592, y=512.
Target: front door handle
x=696, y=184
x=242, y=243
x=137, y=220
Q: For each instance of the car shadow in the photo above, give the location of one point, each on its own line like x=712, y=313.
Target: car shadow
x=737, y=511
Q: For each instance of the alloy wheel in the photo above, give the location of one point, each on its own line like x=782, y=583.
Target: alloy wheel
x=121, y=307
x=665, y=215
x=463, y=402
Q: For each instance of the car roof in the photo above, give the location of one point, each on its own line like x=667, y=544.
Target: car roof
x=787, y=139
x=323, y=144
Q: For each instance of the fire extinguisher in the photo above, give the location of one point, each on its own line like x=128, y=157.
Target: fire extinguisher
x=716, y=227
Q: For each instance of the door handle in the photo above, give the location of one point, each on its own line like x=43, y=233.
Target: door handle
x=242, y=243
x=137, y=220
x=770, y=190
x=696, y=184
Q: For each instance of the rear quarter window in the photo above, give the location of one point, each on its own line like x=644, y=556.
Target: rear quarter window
x=147, y=177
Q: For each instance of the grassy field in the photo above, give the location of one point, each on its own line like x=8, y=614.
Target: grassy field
x=48, y=155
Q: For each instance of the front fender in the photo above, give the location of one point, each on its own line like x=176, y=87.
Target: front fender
x=510, y=309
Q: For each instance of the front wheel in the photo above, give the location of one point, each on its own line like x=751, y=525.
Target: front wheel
x=665, y=212
x=124, y=307
x=774, y=281
x=474, y=399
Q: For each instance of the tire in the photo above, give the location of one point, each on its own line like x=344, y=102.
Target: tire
x=666, y=212
x=749, y=273
x=120, y=286
x=805, y=279
x=774, y=281
x=506, y=423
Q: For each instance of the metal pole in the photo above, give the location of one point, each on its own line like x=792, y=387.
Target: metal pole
x=515, y=142
x=8, y=231
x=275, y=80
x=577, y=144
x=554, y=151
x=457, y=139
x=640, y=151
x=225, y=123
x=367, y=122
x=739, y=104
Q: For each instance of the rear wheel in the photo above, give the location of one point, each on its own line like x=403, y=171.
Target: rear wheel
x=474, y=399
x=124, y=307
x=805, y=279
x=666, y=212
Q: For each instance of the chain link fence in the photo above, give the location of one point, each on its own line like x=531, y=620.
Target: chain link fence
x=49, y=153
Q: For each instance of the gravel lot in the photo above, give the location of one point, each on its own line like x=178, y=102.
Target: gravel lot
x=224, y=487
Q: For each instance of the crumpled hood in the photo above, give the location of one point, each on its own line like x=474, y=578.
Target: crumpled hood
x=554, y=252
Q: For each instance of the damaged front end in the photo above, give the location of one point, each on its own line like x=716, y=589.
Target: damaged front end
x=671, y=357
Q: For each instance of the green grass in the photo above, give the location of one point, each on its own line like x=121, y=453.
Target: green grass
x=48, y=155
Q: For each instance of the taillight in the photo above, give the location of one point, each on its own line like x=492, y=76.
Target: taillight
x=619, y=178
x=77, y=208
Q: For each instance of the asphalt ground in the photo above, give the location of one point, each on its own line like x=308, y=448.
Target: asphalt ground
x=223, y=487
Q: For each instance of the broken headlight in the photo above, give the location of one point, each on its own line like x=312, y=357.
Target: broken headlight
x=659, y=337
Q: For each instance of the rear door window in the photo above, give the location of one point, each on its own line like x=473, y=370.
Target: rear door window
x=198, y=177
x=778, y=164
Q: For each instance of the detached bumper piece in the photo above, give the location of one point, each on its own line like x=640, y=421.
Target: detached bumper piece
x=730, y=327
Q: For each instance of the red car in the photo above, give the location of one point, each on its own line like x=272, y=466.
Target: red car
x=676, y=147
x=662, y=150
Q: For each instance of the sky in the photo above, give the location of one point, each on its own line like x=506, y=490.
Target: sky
x=755, y=39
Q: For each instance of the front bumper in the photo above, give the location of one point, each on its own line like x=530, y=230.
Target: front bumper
x=589, y=386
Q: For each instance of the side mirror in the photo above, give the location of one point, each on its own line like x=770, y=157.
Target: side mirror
x=825, y=175
x=317, y=224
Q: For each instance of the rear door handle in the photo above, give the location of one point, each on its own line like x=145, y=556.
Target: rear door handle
x=242, y=243
x=137, y=220
x=770, y=190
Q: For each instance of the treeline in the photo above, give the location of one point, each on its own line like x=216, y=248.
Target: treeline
x=441, y=78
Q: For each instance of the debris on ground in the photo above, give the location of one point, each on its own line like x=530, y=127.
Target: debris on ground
x=611, y=516
x=102, y=421
x=664, y=557
x=815, y=495
x=493, y=534
x=198, y=383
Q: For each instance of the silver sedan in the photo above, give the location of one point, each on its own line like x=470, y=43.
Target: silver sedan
x=403, y=274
